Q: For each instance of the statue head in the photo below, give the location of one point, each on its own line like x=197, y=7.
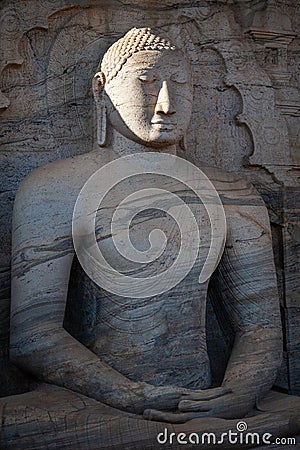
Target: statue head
x=144, y=88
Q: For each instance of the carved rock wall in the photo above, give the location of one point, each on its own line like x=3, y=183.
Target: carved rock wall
x=245, y=56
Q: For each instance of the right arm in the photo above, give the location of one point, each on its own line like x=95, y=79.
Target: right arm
x=42, y=257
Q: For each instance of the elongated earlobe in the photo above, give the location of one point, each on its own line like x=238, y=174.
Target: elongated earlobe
x=98, y=87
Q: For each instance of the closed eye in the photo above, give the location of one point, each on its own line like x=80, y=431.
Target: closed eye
x=147, y=78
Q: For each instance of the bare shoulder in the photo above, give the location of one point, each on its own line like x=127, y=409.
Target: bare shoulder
x=59, y=176
x=47, y=196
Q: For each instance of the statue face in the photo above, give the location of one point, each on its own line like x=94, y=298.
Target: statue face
x=150, y=99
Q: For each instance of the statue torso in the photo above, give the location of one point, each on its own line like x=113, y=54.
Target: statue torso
x=159, y=339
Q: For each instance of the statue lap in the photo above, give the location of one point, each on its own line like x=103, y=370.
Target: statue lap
x=62, y=419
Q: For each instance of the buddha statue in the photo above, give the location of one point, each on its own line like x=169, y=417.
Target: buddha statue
x=125, y=372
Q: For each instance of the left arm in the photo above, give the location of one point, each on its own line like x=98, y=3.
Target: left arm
x=246, y=281
x=246, y=288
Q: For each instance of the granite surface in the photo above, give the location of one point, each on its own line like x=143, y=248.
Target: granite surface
x=245, y=119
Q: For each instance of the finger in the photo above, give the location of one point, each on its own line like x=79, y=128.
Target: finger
x=208, y=394
x=162, y=416
x=192, y=405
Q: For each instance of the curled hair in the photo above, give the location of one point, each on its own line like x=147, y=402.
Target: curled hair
x=135, y=40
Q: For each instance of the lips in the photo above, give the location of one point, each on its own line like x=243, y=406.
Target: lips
x=163, y=125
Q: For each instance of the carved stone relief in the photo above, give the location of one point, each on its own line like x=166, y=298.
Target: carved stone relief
x=244, y=97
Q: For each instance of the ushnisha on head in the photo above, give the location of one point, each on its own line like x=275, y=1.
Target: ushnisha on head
x=145, y=89
x=136, y=40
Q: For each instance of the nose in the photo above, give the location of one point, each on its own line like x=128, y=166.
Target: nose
x=163, y=102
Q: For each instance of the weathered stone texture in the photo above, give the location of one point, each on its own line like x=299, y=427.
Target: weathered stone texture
x=245, y=57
